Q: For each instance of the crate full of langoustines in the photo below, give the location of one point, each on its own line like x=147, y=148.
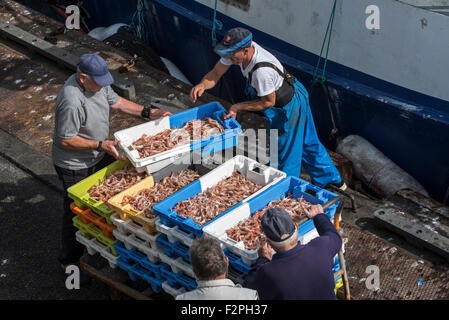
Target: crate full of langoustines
x=216, y=193
x=151, y=146
x=239, y=230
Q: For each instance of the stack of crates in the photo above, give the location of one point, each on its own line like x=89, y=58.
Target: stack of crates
x=156, y=250
x=178, y=232
x=92, y=217
x=243, y=259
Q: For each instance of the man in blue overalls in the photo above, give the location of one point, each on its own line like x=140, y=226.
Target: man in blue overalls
x=282, y=99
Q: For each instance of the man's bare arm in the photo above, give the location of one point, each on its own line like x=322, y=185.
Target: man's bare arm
x=135, y=109
x=209, y=81
x=79, y=143
x=260, y=104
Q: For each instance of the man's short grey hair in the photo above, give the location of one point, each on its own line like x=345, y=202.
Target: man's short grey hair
x=208, y=259
x=283, y=245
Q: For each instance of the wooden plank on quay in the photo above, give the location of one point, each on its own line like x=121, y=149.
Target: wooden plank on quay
x=115, y=285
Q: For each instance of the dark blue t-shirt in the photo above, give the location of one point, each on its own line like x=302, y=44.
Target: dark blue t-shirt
x=304, y=272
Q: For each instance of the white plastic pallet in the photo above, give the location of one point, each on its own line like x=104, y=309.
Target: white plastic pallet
x=130, y=227
x=217, y=230
x=131, y=241
x=93, y=246
x=177, y=264
x=172, y=291
x=175, y=234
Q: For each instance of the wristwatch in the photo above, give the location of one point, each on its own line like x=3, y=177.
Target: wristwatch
x=99, y=146
x=146, y=109
x=146, y=112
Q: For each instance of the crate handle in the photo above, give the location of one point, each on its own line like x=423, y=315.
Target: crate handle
x=217, y=115
x=91, y=200
x=75, y=209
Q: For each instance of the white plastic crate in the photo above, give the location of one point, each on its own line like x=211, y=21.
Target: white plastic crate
x=177, y=264
x=153, y=163
x=130, y=227
x=255, y=172
x=217, y=230
x=131, y=241
x=127, y=136
x=93, y=246
x=175, y=234
x=172, y=291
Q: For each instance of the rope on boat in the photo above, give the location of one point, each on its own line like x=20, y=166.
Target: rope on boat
x=216, y=25
x=330, y=25
x=321, y=80
x=138, y=23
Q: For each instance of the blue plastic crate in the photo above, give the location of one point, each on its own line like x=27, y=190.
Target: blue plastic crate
x=336, y=267
x=182, y=251
x=165, y=245
x=134, y=256
x=179, y=279
x=121, y=250
x=173, y=250
x=290, y=185
x=135, y=272
x=212, y=110
x=263, y=175
x=297, y=187
x=237, y=262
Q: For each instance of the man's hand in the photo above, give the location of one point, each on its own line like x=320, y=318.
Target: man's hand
x=109, y=147
x=232, y=112
x=265, y=251
x=196, y=92
x=313, y=211
x=159, y=113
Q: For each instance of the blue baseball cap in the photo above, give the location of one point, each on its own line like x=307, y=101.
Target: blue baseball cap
x=94, y=66
x=235, y=40
x=277, y=224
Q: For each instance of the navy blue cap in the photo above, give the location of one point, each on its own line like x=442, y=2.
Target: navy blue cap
x=235, y=40
x=94, y=66
x=277, y=224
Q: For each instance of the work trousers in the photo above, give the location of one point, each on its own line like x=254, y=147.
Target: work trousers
x=71, y=250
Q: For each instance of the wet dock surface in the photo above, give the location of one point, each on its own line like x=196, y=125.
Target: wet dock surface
x=29, y=84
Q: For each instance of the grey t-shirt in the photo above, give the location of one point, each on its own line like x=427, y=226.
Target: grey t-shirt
x=84, y=114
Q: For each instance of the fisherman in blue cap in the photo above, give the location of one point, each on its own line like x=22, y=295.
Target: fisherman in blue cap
x=81, y=144
x=295, y=272
x=282, y=99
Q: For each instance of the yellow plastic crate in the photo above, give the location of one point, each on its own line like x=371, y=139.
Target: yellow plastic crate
x=79, y=192
x=126, y=212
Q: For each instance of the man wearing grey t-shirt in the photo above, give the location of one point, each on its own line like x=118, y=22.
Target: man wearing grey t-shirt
x=80, y=140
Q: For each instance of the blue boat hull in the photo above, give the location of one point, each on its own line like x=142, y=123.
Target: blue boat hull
x=412, y=129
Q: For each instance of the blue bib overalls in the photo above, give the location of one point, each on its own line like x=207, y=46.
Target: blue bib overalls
x=298, y=141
